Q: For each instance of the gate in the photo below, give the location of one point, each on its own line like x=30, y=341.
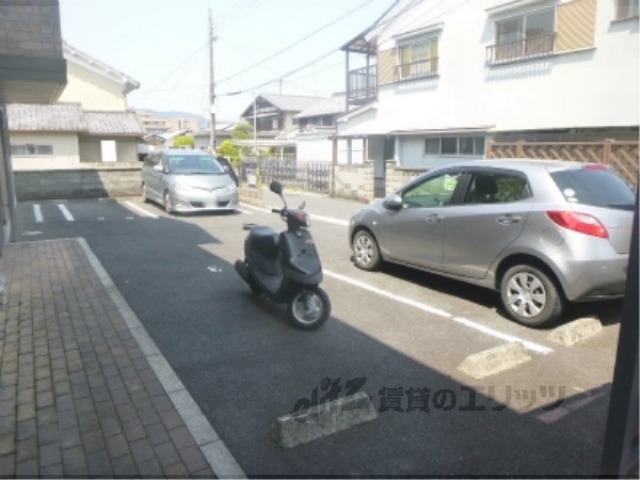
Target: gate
x=310, y=176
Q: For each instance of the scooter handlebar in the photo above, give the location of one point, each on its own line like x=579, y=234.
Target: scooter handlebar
x=276, y=210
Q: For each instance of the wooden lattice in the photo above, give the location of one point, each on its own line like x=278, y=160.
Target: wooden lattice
x=624, y=157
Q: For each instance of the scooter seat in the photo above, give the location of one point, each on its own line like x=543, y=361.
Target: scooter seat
x=265, y=239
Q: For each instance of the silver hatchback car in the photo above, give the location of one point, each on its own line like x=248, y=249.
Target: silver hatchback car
x=540, y=232
x=188, y=181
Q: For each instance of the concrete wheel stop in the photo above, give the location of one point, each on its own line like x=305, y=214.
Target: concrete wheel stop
x=576, y=331
x=319, y=421
x=495, y=360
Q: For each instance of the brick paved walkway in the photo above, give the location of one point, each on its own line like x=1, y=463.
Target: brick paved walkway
x=77, y=395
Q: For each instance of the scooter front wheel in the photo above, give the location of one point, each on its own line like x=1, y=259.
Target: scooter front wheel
x=309, y=308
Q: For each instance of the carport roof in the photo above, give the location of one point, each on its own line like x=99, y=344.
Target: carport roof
x=70, y=117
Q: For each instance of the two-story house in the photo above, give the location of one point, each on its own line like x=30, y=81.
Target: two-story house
x=32, y=70
x=90, y=122
x=438, y=80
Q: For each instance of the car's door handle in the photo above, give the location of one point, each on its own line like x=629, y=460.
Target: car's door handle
x=435, y=218
x=508, y=219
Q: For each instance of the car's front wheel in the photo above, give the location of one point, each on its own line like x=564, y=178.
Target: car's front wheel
x=530, y=297
x=168, y=203
x=144, y=193
x=366, y=254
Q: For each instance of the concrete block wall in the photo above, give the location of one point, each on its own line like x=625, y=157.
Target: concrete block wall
x=113, y=180
x=354, y=181
x=32, y=29
x=396, y=177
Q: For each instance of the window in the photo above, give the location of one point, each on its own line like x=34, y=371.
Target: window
x=524, y=36
x=433, y=192
x=473, y=146
x=418, y=60
x=627, y=9
x=496, y=188
x=31, y=150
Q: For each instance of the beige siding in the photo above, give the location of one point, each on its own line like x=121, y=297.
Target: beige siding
x=576, y=23
x=92, y=90
x=90, y=152
x=387, y=66
x=65, y=151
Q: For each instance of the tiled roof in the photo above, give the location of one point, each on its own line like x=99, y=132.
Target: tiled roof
x=69, y=117
x=62, y=117
x=113, y=123
x=290, y=103
x=327, y=106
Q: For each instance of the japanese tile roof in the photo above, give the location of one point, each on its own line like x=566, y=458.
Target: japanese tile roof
x=69, y=117
x=327, y=106
x=290, y=103
x=62, y=117
x=113, y=123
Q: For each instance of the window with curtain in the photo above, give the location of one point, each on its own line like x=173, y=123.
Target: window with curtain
x=418, y=60
x=525, y=35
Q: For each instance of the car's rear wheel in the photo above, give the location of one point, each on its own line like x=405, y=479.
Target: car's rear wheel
x=530, y=297
x=168, y=203
x=366, y=254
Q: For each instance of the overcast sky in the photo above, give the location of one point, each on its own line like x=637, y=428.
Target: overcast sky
x=162, y=45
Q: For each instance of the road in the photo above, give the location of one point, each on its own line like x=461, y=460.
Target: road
x=396, y=330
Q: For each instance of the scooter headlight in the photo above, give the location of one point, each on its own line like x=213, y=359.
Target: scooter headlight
x=303, y=218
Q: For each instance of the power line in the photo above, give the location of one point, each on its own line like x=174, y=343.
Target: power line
x=295, y=44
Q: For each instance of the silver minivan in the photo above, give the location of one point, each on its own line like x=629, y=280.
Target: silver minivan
x=188, y=181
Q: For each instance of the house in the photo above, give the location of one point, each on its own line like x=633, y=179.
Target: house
x=273, y=118
x=31, y=71
x=437, y=81
x=90, y=122
x=154, y=123
x=317, y=127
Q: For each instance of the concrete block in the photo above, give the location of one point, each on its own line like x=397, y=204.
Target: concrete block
x=494, y=360
x=576, y=331
x=319, y=421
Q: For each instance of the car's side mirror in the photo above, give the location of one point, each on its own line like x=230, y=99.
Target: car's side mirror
x=276, y=187
x=158, y=168
x=393, y=202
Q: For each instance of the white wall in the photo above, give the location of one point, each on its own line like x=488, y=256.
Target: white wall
x=592, y=88
x=313, y=148
x=65, y=151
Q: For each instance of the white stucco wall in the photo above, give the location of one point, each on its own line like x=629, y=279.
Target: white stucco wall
x=312, y=148
x=65, y=151
x=90, y=152
x=92, y=90
x=592, y=88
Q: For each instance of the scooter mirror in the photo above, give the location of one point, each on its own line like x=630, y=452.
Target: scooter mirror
x=276, y=187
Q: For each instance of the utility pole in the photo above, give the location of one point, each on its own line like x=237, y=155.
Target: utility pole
x=212, y=91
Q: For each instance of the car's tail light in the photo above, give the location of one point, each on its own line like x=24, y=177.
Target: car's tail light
x=594, y=166
x=579, y=222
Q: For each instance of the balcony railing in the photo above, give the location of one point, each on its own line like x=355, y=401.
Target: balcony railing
x=421, y=69
x=528, y=48
x=362, y=85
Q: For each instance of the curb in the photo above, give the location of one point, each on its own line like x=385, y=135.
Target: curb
x=494, y=360
x=575, y=332
x=319, y=421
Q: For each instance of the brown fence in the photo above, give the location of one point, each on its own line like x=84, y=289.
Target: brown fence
x=623, y=156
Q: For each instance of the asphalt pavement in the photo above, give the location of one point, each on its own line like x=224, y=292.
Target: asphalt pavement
x=244, y=366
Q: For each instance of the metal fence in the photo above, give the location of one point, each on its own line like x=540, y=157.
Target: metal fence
x=310, y=176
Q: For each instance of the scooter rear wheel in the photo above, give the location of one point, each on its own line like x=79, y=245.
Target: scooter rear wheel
x=309, y=309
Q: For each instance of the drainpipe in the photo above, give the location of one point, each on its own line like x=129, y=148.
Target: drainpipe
x=8, y=172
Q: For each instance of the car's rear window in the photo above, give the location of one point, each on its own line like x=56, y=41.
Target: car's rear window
x=598, y=188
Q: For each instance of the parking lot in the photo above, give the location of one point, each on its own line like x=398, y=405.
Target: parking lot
x=391, y=333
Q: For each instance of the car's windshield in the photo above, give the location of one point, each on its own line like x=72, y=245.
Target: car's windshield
x=598, y=188
x=193, y=165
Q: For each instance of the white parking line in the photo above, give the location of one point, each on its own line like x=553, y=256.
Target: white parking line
x=320, y=218
x=37, y=212
x=246, y=212
x=66, y=213
x=141, y=210
x=534, y=347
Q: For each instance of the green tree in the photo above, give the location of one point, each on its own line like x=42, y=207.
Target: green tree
x=229, y=150
x=242, y=131
x=184, y=141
